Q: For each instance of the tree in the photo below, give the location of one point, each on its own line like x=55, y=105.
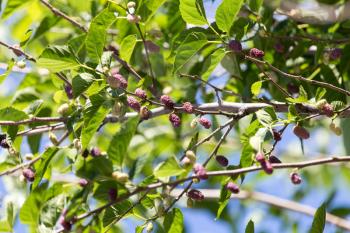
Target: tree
x=124, y=108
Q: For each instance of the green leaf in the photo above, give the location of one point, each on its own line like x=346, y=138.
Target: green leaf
x=127, y=47
x=97, y=34
x=8, y=71
x=170, y=167
x=12, y=114
x=113, y=212
x=7, y=221
x=29, y=213
x=174, y=221
x=81, y=82
x=319, y=221
x=255, y=5
x=189, y=47
x=93, y=118
x=345, y=125
x=192, y=12
x=120, y=142
x=139, y=229
x=148, y=8
x=250, y=227
x=51, y=210
x=11, y=6
x=266, y=116
x=226, y=13
x=256, y=87
x=92, y=167
x=212, y=62
x=223, y=200
x=45, y=25
x=58, y=58
x=44, y=163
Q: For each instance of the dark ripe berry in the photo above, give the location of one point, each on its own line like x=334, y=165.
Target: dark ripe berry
x=295, y=178
x=327, y=109
x=140, y=93
x=175, y=120
x=274, y=159
x=222, y=160
x=260, y=157
x=28, y=174
x=145, y=113
x=232, y=187
x=65, y=224
x=301, y=132
x=195, y=194
x=188, y=107
x=4, y=144
x=267, y=166
x=254, y=52
x=277, y=136
x=335, y=53
x=85, y=153
x=292, y=88
x=235, y=45
x=279, y=48
x=167, y=101
x=205, y=122
x=83, y=182
x=95, y=152
x=112, y=194
x=69, y=91
x=200, y=171
x=133, y=103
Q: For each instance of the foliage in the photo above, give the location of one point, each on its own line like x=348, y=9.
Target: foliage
x=115, y=110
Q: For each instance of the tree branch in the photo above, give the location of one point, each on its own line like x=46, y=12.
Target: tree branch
x=299, y=77
x=274, y=201
x=217, y=173
x=63, y=15
x=18, y=51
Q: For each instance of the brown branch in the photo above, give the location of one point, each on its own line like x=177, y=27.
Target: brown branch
x=16, y=51
x=298, y=77
x=217, y=173
x=34, y=120
x=313, y=38
x=284, y=92
x=147, y=54
x=274, y=201
x=59, y=13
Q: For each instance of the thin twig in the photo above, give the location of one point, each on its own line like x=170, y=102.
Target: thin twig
x=196, y=77
x=18, y=51
x=147, y=54
x=63, y=15
x=299, y=77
